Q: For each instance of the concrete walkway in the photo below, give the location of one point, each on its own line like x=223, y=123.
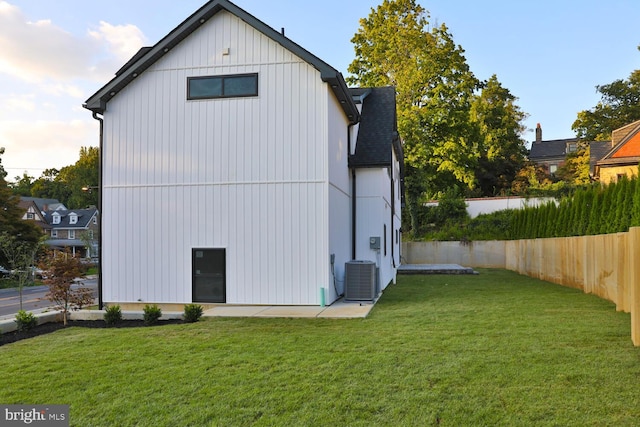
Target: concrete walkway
x=340, y=309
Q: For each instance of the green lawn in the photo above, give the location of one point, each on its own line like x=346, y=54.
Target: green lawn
x=486, y=350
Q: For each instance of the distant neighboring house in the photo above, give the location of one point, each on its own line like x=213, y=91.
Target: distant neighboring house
x=552, y=154
x=32, y=212
x=623, y=156
x=44, y=204
x=239, y=168
x=74, y=229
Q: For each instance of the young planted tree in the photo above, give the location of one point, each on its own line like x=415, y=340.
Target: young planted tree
x=62, y=271
x=19, y=256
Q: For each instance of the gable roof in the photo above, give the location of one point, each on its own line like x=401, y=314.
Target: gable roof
x=84, y=217
x=44, y=204
x=627, y=150
x=378, y=130
x=552, y=149
x=147, y=56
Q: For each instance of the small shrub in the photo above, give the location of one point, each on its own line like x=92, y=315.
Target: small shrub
x=151, y=314
x=113, y=315
x=26, y=321
x=192, y=312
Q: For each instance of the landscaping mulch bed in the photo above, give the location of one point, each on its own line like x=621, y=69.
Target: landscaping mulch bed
x=45, y=328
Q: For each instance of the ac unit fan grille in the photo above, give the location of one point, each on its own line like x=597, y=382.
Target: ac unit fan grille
x=360, y=281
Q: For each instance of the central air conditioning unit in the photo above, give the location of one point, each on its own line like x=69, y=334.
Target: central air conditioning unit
x=360, y=280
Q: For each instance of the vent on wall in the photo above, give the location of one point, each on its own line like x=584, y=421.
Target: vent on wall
x=360, y=281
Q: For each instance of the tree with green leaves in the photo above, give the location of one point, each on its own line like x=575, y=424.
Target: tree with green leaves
x=502, y=149
x=11, y=221
x=83, y=174
x=618, y=106
x=435, y=90
x=576, y=168
x=22, y=185
x=454, y=135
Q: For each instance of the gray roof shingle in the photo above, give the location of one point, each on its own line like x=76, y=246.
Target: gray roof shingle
x=378, y=132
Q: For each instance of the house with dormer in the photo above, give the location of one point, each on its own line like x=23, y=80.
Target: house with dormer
x=76, y=230
x=239, y=168
x=552, y=154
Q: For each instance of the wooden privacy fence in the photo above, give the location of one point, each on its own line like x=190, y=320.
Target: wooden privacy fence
x=606, y=265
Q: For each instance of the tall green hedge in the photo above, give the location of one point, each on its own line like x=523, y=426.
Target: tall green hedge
x=590, y=210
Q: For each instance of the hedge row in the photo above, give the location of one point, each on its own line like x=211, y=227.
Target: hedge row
x=592, y=210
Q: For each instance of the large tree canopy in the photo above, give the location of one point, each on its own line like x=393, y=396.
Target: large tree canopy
x=619, y=106
x=68, y=185
x=11, y=222
x=453, y=134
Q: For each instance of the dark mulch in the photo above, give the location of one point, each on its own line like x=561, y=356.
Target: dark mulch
x=45, y=328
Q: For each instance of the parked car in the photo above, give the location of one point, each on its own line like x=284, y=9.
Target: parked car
x=4, y=272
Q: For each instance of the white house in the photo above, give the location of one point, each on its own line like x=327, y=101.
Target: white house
x=238, y=168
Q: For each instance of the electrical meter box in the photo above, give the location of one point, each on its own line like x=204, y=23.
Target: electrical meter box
x=374, y=242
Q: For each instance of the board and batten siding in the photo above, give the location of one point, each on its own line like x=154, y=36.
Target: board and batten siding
x=246, y=174
x=374, y=213
x=339, y=199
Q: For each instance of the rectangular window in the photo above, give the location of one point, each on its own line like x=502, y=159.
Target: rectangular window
x=230, y=86
x=54, y=233
x=385, y=239
x=72, y=234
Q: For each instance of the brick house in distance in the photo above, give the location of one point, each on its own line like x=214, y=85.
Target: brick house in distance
x=623, y=156
x=76, y=229
x=552, y=154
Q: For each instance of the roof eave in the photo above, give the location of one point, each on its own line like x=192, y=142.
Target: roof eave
x=98, y=102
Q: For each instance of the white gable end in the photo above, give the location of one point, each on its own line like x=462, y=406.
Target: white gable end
x=250, y=174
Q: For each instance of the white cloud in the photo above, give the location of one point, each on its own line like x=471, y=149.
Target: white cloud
x=17, y=103
x=40, y=52
x=39, y=145
x=123, y=40
x=46, y=72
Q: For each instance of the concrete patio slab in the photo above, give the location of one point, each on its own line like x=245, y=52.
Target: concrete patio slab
x=434, y=269
x=234, y=311
x=347, y=310
x=291, y=311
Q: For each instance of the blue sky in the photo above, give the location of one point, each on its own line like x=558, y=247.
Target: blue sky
x=55, y=54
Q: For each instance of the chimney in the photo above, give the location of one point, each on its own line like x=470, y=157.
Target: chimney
x=538, y=133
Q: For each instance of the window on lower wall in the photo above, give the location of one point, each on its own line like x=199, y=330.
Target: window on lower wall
x=228, y=86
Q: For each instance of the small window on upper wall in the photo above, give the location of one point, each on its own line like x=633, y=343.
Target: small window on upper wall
x=230, y=86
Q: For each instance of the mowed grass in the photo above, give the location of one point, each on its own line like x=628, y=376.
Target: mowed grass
x=487, y=350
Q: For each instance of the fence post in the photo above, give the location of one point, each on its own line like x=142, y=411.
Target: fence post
x=634, y=280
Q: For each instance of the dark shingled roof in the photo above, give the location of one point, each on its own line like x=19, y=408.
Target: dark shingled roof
x=599, y=149
x=378, y=131
x=84, y=216
x=550, y=149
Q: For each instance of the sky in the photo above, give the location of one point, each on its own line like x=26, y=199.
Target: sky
x=54, y=55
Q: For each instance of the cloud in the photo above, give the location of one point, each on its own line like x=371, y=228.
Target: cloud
x=17, y=103
x=39, y=145
x=40, y=52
